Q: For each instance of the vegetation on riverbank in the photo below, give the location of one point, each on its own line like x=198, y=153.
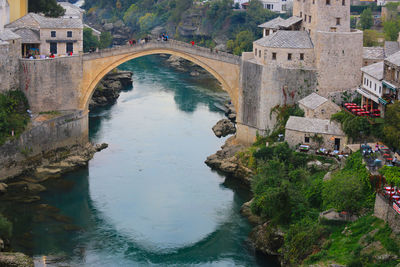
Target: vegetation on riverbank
x=289, y=192
x=13, y=115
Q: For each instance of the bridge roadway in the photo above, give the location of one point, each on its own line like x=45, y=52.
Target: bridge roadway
x=223, y=66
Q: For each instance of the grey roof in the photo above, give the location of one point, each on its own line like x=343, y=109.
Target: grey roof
x=29, y=36
x=374, y=70
x=278, y=23
x=313, y=101
x=375, y=52
x=290, y=21
x=394, y=59
x=272, y=24
x=312, y=125
x=286, y=39
x=8, y=35
x=71, y=9
x=33, y=20
x=391, y=47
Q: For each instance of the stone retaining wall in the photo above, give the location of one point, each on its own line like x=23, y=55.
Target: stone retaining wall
x=385, y=211
x=64, y=131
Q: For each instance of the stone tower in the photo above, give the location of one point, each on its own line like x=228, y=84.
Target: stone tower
x=323, y=15
x=338, y=49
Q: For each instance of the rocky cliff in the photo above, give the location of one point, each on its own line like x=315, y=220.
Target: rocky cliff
x=109, y=88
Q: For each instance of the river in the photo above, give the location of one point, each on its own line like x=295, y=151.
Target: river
x=148, y=199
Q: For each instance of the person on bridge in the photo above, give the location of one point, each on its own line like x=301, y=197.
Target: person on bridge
x=192, y=42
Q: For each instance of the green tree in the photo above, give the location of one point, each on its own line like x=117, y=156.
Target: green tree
x=105, y=40
x=391, y=29
x=366, y=19
x=147, y=21
x=49, y=8
x=242, y=43
x=392, y=125
x=90, y=41
x=5, y=227
x=344, y=192
x=370, y=38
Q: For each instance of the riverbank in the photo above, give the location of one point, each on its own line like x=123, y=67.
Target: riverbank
x=287, y=207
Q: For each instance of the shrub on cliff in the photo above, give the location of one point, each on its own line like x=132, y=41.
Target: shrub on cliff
x=5, y=227
x=13, y=115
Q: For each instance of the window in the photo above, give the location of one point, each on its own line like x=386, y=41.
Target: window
x=333, y=29
x=313, y=1
x=370, y=84
x=69, y=33
x=301, y=14
x=380, y=89
x=375, y=87
x=289, y=56
x=53, y=33
x=343, y=2
x=337, y=21
x=309, y=19
x=70, y=47
x=301, y=56
x=274, y=56
x=305, y=17
x=284, y=8
x=306, y=139
x=53, y=48
x=255, y=52
x=328, y=2
x=259, y=53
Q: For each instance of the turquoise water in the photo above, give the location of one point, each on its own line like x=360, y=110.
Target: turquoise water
x=148, y=199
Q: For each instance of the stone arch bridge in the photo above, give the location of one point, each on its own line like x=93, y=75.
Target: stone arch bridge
x=68, y=83
x=223, y=66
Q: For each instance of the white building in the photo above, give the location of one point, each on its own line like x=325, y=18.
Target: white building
x=371, y=89
x=278, y=6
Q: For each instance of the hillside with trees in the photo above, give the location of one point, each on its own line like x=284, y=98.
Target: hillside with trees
x=213, y=24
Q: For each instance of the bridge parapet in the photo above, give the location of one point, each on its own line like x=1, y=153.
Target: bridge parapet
x=168, y=45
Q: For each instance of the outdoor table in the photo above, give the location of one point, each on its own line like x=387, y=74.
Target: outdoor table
x=396, y=197
x=386, y=155
x=304, y=147
x=388, y=188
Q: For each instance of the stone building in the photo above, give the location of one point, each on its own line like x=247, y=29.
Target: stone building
x=314, y=132
x=316, y=106
x=313, y=51
x=391, y=79
x=49, y=35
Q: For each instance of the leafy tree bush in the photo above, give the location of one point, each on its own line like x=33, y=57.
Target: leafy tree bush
x=391, y=29
x=370, y=38
x=366, y=19
x=242, y=43
x=13, y=115
x=49, y=8
x=355, y=127
x=105, y=40
x=392, y=125
x=5, y=227
x=90, y=41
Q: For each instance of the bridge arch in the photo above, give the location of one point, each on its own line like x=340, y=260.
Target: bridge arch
x=97, y=65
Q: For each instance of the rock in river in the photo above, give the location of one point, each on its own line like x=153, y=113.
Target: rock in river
x=223, y=128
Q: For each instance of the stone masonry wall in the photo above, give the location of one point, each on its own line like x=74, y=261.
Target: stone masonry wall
x=51, y=84
x=386, y=212
x=262, y=88
x=339, y=59
x=10, y=52
x=63, y=131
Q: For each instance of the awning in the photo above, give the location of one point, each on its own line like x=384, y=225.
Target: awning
x=367, y=94
x=382, y=101
x=389, y=85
